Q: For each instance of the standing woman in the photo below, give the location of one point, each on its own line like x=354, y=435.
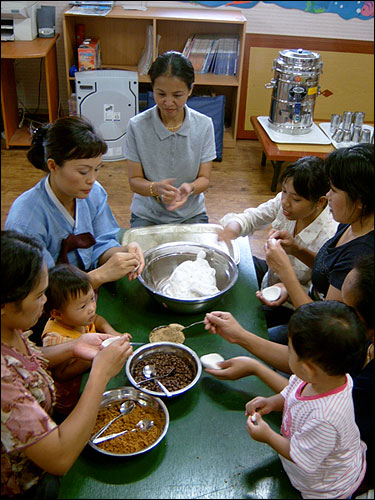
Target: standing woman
x=169, y=150
x=32, y=444
x=67, y=211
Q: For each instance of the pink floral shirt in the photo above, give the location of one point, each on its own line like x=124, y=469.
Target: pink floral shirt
x=27, y=397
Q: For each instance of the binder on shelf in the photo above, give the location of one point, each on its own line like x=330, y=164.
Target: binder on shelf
x=145, y=61
x=213, y=53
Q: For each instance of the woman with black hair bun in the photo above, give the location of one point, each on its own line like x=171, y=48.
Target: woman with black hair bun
x=169, y=150
x=67, y=211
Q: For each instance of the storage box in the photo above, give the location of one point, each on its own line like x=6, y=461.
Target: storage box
x=89, y=56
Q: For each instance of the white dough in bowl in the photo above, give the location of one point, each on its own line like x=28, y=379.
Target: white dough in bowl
x=106, y=342
x=271, y=293
x=192, y=279
x=211, y=360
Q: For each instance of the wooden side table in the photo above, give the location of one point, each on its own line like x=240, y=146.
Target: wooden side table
x=280, y=153
x=40, y=47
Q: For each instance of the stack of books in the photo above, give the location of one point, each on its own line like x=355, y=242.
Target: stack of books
x=213, y=53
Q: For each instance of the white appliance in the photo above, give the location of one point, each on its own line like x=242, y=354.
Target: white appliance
x=108, y=98
x=18, y=21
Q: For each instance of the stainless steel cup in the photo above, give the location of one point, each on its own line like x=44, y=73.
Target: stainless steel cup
x=359, y=117
x=335, y=122
x=356, y=133
x=338, y=135
x=347, y=120
x=365, y=135
x=347, y=137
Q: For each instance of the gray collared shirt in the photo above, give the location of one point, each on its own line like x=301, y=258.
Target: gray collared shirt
x=164, y=154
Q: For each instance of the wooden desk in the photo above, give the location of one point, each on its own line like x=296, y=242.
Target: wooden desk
x=207, y=452
x=38, y=48
x=279, y=153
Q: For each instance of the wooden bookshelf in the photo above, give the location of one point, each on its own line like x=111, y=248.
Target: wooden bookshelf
x=122, y=35
x=44, y=48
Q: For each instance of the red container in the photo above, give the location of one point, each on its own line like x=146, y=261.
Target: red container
x=80, y=34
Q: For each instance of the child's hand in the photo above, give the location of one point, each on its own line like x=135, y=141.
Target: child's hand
x=259, y=405
x=258, y=429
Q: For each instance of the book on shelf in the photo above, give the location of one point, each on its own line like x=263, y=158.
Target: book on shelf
x=145, y=61
x=213, y=53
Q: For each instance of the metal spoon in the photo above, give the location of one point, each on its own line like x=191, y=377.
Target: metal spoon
x=148, y=372
x=142, y=425
x=126, y=407
x=153, y=378
x=181, y=329
x=193, y=324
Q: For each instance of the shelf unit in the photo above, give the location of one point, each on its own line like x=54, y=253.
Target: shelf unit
x=44, y=48
x=122, y=35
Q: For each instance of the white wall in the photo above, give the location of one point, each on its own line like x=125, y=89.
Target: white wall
x=263, y=18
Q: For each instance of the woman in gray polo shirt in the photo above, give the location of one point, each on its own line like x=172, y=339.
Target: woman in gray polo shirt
x=169, y=150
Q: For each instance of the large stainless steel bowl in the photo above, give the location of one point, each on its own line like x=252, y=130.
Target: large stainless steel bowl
x=163, y=347
x=162, y=260
x=125, y=393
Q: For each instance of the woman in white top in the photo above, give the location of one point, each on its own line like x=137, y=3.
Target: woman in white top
x=300, y=209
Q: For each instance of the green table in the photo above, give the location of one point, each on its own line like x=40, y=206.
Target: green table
x=207, y=452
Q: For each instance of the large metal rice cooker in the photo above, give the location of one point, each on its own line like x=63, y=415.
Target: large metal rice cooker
x=295, y=88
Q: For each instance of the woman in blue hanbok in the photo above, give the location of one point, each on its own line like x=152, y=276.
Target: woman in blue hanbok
x=67, y=211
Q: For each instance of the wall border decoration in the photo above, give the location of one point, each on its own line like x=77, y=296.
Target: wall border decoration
x=363, y=10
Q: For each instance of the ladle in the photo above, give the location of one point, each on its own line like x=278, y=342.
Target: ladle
x=126, y=407
x=149, y=372
x=142, y=425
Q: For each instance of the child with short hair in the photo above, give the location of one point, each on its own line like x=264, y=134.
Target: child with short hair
x=71, y=306
x=319, y=446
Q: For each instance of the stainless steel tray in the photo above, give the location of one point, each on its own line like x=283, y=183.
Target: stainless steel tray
x=152, y=236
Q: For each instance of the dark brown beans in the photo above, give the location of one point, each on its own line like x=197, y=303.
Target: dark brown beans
x=183, y=374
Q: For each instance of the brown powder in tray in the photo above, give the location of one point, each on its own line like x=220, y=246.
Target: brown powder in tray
x=130, y=442
x=169, y=333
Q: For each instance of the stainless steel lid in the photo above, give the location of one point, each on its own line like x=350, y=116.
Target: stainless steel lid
x=298, y=59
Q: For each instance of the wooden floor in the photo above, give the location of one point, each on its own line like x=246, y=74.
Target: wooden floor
x=237, y=182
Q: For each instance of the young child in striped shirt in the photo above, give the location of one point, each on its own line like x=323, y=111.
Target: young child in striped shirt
x=71, y=306
x=319, y=445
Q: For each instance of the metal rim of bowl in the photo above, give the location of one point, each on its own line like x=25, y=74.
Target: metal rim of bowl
x=154, y=346
x=134, y=394
x=201, y=247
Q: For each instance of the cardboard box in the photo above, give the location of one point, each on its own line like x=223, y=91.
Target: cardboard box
x=89, y=56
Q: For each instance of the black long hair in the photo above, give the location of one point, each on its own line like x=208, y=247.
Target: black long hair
x=21, y=266
x=309, y=177
x=352, y=170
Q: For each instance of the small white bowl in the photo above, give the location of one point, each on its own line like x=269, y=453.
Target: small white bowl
x=272, y=241
x=106, y=342
x=211, y=361
x=271, y=293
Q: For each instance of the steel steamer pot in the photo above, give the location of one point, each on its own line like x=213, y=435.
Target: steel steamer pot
x=295, y=88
